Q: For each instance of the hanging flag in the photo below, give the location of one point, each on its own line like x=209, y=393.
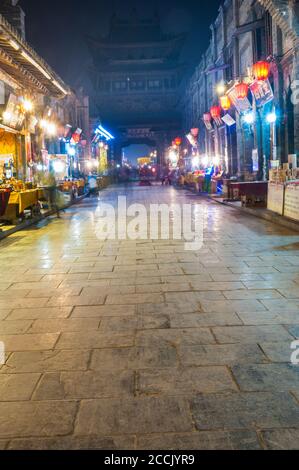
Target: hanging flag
x=262, y=92
x=207, y=121
x=192, y=140
x=229, y=121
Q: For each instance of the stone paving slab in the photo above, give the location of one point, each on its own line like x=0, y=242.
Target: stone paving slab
x=43, y=361
x=245, y=410
x=282, y=439
x=185, y=381
x=135, y=416
x=267, y=377
x=28, y=419
x=203, y=440
x=227, y=354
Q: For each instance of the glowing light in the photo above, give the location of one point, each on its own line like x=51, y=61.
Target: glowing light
x=215, y=112
x=220, y=88
x=104, y=133
x=51, y=128
x=173, y=156
x=205, y=160
x=36, y=65
x=225, y=102
x=58, y=166
x=72, y=151
x=28, y=105
x=39, y=167
x=249, y=118
x=261, y=70
x=7, y=116
x=241, y=90
x=14, y=44
x=60, y=87
x=195, y=161
x=216, y=160
x=271, y=117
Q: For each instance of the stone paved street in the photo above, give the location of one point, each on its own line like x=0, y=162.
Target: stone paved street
x=143, y=345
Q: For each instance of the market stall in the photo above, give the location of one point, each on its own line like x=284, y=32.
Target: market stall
x=18, y=202
x=283, y=191
x=251, y=193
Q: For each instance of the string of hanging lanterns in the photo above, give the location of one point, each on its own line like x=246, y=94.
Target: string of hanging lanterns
x=260, y=72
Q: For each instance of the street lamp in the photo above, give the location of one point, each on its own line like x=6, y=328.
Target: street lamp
x=249, y=117
x=271, y=117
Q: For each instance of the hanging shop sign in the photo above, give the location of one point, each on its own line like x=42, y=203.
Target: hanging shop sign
x=207, y=118
x=13, y=116
x=76, y=136
x=192, y=140
x=255, y=160
x=241, y=104
x=262, y=92
x=228, y=120
x=32, y=122
x=216, y=115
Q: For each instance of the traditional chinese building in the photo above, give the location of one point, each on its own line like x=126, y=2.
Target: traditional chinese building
x=136, y=76
x=247, y=32
x=40, y=116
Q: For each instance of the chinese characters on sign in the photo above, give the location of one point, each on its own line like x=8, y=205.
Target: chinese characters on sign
x=262, y=92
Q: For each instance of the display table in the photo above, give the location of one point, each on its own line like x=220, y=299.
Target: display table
x=18, y=202
x=23, y=199
x=4, y=198
x=250, y=192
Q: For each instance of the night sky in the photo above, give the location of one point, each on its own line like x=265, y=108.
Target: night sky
x=57, y=28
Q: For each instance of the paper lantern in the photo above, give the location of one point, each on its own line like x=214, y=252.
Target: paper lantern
x=178, y=141
x=241, y=90
x=215, y=112
x=225, y=102
x=261, y=70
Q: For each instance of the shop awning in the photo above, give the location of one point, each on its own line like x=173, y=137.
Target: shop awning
x=25, y=66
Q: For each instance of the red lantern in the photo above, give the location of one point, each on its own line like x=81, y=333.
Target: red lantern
x=241, y=90
x=215, y=112
x=178, y=141
x=261, y=70
x=225, y=102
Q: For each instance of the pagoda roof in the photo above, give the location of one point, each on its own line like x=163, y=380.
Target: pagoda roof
x=141, y=38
